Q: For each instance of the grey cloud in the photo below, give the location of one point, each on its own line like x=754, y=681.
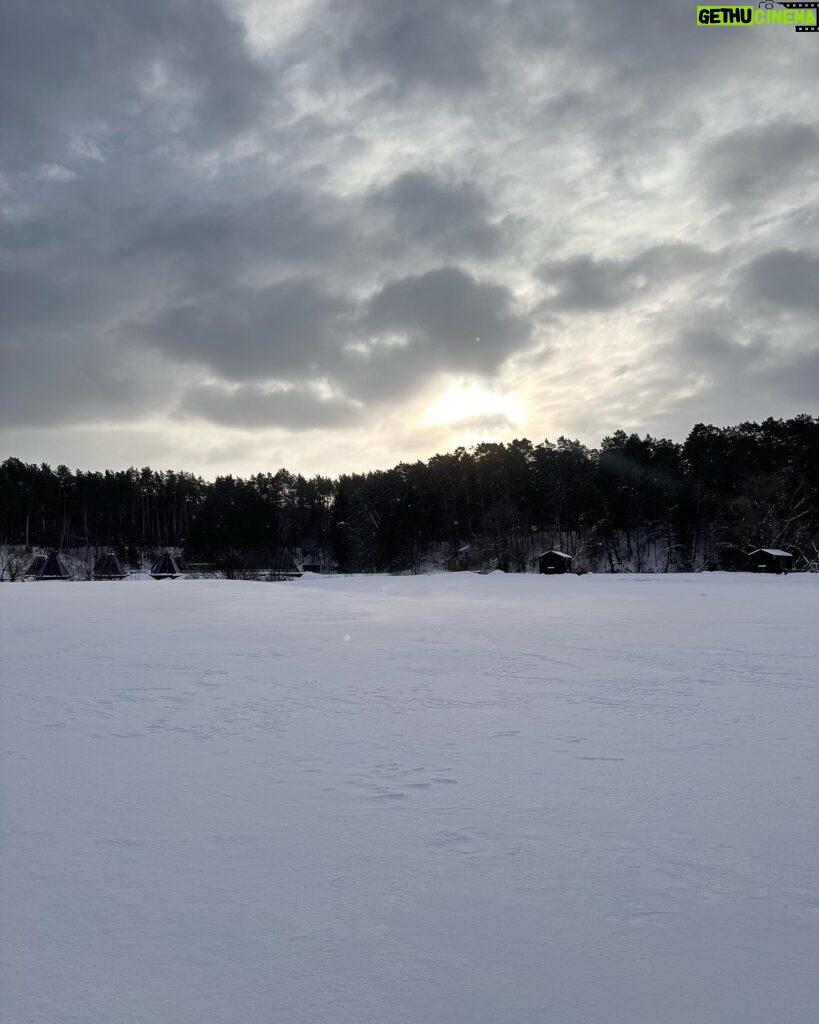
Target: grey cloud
x=638, y=80
x=57, y=365
x=285, y=228
x=387, y=346
x=218, y=221
x=638, y=45
x=585, y=284
x=124, y=244
x=422, y=325
x=784, y=278
x=50, y=380
x=452, y=316
x=92, y=67
x=453, y=217
x=283, y=331
x=426, y=43
x=712, y=349
x=32, y=301
x=798, y=378
x=749, y=163
x=456, y=48
x=252, y=406
x=735, y=362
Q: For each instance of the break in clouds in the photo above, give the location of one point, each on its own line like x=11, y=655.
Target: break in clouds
x=336, y=235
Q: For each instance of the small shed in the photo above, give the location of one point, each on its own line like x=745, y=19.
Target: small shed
x=52, y=568
x=554, y=562
x=283, y=567
x=770, y=560
x=36, y=566
x=107, y=567
x=165, y=568
x=311, y=564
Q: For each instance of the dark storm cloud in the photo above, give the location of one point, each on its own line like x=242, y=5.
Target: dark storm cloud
x=99, y=67
x=784, y=279
x=586, y=284
x=752, y=162
x=252, y=406
x=450, y=216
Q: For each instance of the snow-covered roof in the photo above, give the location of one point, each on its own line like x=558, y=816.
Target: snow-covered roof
x=772, y=551
x=554, y=551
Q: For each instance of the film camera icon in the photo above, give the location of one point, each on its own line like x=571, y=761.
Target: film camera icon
x=767, y=5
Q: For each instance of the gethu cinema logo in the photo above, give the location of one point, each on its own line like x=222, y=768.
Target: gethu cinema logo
x=803, y=16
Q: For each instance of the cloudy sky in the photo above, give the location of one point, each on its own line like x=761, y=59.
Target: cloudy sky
x=336, y=234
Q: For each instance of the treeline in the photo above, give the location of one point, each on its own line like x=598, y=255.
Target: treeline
x=640, y=504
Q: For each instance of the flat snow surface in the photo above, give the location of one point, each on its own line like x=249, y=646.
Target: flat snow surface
x=433, y=800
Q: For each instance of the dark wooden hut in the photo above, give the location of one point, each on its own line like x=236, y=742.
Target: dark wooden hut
x=554, y=562
x=36, y=565
x=311, y=564
x=770, y=560
x=283, y=567
x=52, y=568
x=107, y=567
x=165, y=567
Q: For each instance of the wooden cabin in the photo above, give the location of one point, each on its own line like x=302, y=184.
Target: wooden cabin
x=165, y=568
x=107, y=567
x=52, y=568
x=36, y=565
x=554, y=562
x=283, y=567
x=770, y=560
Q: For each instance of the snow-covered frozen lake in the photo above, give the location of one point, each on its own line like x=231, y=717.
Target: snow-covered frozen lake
x=435, y=800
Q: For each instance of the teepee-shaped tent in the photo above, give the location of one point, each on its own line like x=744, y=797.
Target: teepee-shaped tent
x=165, y=568
x=36, y=566
x=108, y=568
x=53, y=568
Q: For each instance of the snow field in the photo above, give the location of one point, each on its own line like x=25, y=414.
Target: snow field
x=453, y=798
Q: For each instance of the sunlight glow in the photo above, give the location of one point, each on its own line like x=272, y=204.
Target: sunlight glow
x=472, y=405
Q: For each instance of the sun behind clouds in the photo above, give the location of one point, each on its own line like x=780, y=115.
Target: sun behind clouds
x=472, y=412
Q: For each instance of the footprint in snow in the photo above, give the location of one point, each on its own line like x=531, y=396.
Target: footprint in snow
x=462, y=841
